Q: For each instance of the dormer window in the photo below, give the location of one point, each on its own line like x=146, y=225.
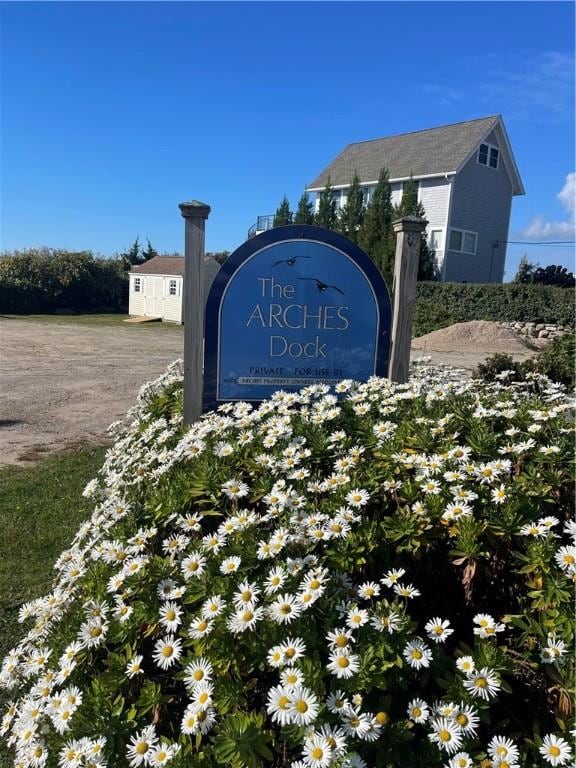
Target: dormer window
x=488, y=155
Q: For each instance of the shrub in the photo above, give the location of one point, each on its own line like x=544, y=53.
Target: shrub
x=441, y=304
x=316, y=582
x=45, y=279
x=500, y=366
x=556, y=361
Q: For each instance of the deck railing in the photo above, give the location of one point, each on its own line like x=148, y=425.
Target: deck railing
x=262, y=224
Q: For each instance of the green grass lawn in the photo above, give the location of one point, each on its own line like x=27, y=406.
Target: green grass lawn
x=41, y=508
x=104, y=321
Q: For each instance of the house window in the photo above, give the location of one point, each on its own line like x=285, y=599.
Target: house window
x=435, y=239
x=406, y=184
x=488, y=155
x=172, y=288
x=337, y=198
x=463, y=241
x=137, y=285
x=367, y=193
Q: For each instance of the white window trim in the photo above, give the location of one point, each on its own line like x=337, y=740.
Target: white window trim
x=176, y=291
x=490, y=146
x=463, y=232
x=440, y=238
x=138, y=285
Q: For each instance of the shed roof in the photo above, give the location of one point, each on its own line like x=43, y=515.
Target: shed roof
x=431, y=152
x=161, y=265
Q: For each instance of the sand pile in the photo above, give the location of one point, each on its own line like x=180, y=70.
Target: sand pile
x=475, y=336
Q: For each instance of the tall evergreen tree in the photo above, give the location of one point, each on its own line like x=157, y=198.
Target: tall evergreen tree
x=326, y=214
x=411, y=206
x=149, y=252
x=376, y=236
x=133, y=255
x=352, y=213
x=283, y=214
x=305, y=210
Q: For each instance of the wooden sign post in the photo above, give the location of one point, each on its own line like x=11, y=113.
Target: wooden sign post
x=195, y=214
x=408, y=240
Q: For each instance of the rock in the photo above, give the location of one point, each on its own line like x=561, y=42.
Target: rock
x=543, y=334
x=540, y=326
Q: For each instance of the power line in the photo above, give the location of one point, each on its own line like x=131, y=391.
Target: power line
x=535, y=242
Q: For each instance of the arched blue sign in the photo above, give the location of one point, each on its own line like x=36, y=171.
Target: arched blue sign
x=294, y=306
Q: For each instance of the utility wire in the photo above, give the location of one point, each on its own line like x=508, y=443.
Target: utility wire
x=535, y=242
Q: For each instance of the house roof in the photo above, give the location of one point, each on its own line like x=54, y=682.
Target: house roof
x=174, y=265
x=161, y=265
x=433, y=152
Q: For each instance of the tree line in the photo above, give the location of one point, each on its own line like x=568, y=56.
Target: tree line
x=367, y=225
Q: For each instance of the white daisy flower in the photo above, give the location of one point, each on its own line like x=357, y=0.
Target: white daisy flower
x=291, y=677
x=304, y=707
x=162, y=755
x=337, y=702
x=566, y=558
x=235, y=489
x=357, y=617
x=200, y=627
x=317, y=752
x=406, y=590
x=418, y=711
x=193, y=566
x=343, y=664
x=134, y=667
x=213, y=607
x=461, y=760
x=355, y=723
x=368, y=590
x=386, y=623
x=555, y=750
x=230, y=565
x=202, y=695
x=483, y=684
x=199, y=671
x=358, y=497
x=446, y=734
x=438, y=630
x=417, y=653
x=466, y=664
x=292, y=649
x=167, y=651
x=467, y=718
x=285, y=609
x=245, y=619
x=278, y=704
x=170, y=616
x=247, y=594
x=340, y=638
x=502, y=749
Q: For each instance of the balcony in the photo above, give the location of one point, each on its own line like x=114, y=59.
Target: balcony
x=262, y=224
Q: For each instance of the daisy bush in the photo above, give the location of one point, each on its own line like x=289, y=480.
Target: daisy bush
x=370, y=575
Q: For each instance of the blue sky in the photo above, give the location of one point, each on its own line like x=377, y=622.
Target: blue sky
x=113, y=113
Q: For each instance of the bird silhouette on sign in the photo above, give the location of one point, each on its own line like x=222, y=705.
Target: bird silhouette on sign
x=322, y=287
x=291, y=261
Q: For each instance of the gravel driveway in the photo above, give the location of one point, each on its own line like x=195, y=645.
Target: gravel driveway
x=62, y=382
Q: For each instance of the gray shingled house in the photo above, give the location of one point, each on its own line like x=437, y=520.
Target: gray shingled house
x=466, y=176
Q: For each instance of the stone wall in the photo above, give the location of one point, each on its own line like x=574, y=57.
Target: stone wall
x=537, y=330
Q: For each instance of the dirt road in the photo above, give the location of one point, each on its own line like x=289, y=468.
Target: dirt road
x=63, y=383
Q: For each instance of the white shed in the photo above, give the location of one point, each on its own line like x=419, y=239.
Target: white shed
x=156, y=287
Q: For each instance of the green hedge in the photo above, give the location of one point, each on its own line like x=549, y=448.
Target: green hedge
x=441, y=304
x=46, y=279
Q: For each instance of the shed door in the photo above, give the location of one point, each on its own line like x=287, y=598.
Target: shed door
x=155, y=297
